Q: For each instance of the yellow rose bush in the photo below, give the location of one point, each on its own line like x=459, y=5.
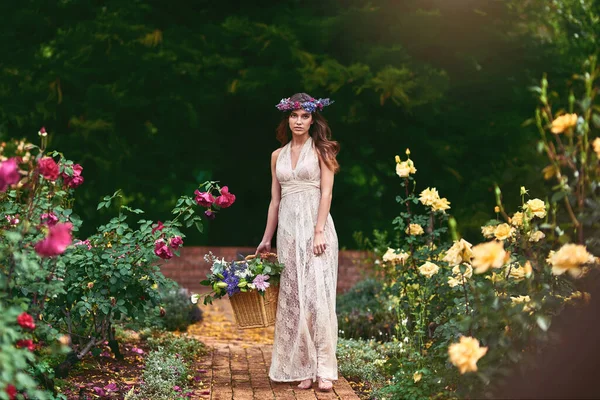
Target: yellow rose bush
x=474, y=305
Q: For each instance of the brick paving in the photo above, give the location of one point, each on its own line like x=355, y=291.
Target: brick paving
x=239, y=359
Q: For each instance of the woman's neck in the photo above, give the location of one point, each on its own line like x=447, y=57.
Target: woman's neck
x=298, y=141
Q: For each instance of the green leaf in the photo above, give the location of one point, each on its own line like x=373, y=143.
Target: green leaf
x=199, y=226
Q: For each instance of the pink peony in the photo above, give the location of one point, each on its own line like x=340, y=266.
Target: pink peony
x=204, y=199
x=9, y=173
x=226, y=199
x=162, y=250
x=26, y=321
x=59, y=237
x=25, y=343
x=76, y=179
x=49, y=219
x=11, y=391
x=48, y=168
x=175, y=242
x=159, y=227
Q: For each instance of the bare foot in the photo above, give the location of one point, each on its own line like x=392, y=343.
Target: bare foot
x=325, y=385
x=305, y=384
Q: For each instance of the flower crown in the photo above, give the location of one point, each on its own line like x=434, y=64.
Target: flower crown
x=310, y=106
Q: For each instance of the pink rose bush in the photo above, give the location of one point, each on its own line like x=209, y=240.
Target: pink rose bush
x=48, y=168
x=26, y=321
x=75, y=179
x=209, y=201
x=56, y=242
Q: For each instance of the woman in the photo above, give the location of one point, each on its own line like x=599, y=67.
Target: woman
x=302, y=181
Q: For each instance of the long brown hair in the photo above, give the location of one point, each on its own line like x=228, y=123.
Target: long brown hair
x=319, y=131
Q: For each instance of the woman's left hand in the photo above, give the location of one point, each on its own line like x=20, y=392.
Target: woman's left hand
x=319, y=245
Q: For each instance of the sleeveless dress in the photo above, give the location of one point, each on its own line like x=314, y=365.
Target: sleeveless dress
x=306, y=327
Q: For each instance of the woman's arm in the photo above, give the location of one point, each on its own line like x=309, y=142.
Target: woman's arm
x=319, y=244
x=273, y=215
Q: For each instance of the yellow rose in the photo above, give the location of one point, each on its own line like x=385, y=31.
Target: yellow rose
x=504, y=231
x=465, y=354
x=405, y=168
x=537, y=236
x=537, y=207
x=417, y=376
x=549, y=172
x=525, y=300
x=452, y=282
x=521, y=272
x=596, y=144
x=467, y=274
x=517, y=219
x=459, y=252
x=488, y=255
x=570, y=258
x=398, y=160
x=440, y=204
x=496, y=209
x=428, y=269
x=488, y=231
x=414, y=230
x=429, y=196
x=564, y=122
x=392, y=257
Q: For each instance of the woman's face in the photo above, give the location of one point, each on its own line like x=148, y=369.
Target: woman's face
x=300, y=122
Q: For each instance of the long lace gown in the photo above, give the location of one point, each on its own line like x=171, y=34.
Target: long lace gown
x=306, y=323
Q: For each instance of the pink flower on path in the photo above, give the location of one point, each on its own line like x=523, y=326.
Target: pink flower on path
x=226, y=199
x=204, y=199
x=48, y=168
x=9, y=173
x=26, y=321
x=175, y=242
x=49, y=219
x=261, y=282
x=99, y=391
x=162, y=250
x=57, y=240
x=76, y=179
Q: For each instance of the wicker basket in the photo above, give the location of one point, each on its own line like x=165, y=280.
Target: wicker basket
x=251, y=310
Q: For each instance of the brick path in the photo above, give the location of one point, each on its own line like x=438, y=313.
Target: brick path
x=238, y=364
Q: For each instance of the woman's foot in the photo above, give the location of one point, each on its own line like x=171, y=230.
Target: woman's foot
x=305, y=384
x=325, y=385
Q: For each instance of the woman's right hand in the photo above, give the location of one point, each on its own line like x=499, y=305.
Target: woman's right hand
x=263, y=247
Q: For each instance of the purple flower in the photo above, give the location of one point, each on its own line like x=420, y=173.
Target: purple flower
x=112, y=387
x=99, y=391
x=261, y=282
x=138, y=351
x=210, y=214
x=232, y=281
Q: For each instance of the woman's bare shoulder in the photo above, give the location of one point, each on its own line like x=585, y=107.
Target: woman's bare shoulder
x=275, y=154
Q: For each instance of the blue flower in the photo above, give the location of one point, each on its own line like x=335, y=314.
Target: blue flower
x=232, y=283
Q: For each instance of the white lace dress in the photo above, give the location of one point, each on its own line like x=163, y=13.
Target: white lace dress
x=306, y=324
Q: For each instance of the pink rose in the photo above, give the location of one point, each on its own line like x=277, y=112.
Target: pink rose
x=25, y=343
x=11, y=391
x=76, y=179
x=57, y=241
x=9, y=173
x=48, y=168
x=159, y=227
x=175, y=242
x=49, y=218
x=162, y=250
x=226, y=199
x=204, y=199
x=26, y=321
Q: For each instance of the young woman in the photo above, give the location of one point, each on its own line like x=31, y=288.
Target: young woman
x=302, y=181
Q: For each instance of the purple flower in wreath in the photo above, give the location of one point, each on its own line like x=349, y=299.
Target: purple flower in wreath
x=260, y=282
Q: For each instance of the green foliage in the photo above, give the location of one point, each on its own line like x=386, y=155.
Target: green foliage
x=192, y=349
x=180, y=312
x=361, y=360
x=163, y=371
x=364, y=312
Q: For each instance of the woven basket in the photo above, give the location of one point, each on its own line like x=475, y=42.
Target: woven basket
x=251, y=310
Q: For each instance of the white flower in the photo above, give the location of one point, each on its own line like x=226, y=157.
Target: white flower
x=195, y=298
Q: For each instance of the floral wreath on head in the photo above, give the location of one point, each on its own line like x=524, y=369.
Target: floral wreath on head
x=310, y=106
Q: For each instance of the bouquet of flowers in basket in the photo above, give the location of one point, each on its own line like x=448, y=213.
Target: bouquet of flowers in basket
x=252, y=273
